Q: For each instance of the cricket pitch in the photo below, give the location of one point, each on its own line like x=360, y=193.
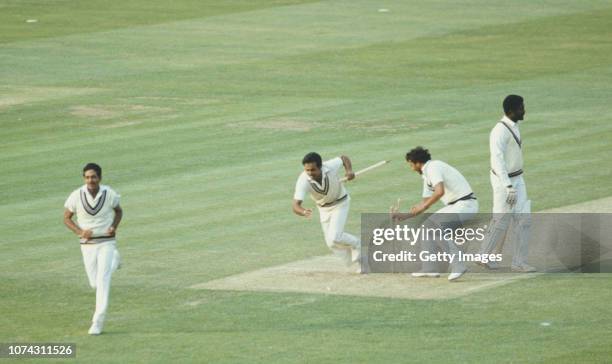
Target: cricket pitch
x=327, y=275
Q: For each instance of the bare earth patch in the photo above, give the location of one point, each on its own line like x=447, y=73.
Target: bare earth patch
x=283, y=125
x=327, y=275
x=603, y=205
x=96, y=111
x=11, y=95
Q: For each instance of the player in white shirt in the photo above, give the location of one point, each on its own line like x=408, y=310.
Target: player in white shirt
x=322, y=181
x=440, y=182
x=509, y=192
x=98, y=215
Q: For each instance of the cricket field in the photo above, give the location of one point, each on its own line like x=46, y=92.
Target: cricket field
x=199, y=113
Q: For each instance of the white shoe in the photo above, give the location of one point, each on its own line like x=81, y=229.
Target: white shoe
x=95, y=329
x=523, y=268
x=425, y=275
x=457, y=275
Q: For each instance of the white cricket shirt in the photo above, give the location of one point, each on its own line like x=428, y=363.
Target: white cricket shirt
x=96, y=214
x=506, y=154
x=328, y=191
x=455, y=185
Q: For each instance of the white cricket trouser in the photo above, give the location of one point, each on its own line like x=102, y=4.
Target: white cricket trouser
x=450, y=216
x=504, y=214
x=333, y=219
x=100, y=260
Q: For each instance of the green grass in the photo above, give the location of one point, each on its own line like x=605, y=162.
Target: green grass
x=199, y=113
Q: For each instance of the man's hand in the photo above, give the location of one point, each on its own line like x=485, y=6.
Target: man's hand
x=511, y=195
x=307, y=213
x=397, y=216
x=86, y=234
x=349, y=175
x=417, y=209
x=111, y=231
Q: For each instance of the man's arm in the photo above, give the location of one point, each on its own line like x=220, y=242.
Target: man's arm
x=118, y=215
x=498, y=141
x=348, y=167
x=85, y=234
x=299, y=210
x=427, y=202
x=421, y=207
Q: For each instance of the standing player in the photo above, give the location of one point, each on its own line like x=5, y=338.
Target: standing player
x=322, y=181
x=445, y=183
x=98, y=215
x=509, y=191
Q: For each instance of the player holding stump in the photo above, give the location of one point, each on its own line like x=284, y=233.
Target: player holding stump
x=98, y=215
x=322, y=181
x=440, y=182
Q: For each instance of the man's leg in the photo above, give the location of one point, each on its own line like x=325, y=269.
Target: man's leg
x=89, y=252
x=116, y=260
x=335, y=236
x=453, y=217
x=522, y=228
x=106, y=253
x=500, y=221
x=342, y=252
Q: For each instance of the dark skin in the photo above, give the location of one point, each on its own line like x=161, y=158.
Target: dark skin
x=517, y=114
x=314, y=172
x=423, y=205
x=92, y=180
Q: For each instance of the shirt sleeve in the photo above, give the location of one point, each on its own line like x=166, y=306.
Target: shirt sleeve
x=498, y=141
x=115, y=199
x=434, y=174
x=301, y=188
x=71, y=202
x=426, y=191
x=334, y=164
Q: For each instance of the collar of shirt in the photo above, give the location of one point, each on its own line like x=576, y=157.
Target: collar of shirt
x=423, y=169
x=102, y=188
x=324, y=172
x=506, y=120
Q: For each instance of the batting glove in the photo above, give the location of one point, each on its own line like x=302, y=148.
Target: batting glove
x=511, y=196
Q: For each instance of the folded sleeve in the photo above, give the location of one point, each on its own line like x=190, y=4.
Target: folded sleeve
x=116, y=197
x=426, y=191
x=334, y=164
x=71, y=202
x=301, y=188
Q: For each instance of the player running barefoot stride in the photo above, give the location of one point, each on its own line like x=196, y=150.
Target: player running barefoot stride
x=98, y=215
x=323, y=182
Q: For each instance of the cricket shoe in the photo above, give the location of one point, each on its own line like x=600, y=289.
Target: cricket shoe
x=95, y=329
x=425, y=275
x=456, y=275
x=523, y=268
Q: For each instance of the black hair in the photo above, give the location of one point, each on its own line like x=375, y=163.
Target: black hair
x=95, y=167
x=418, y=155
x=512, y=103
x=313, y=157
